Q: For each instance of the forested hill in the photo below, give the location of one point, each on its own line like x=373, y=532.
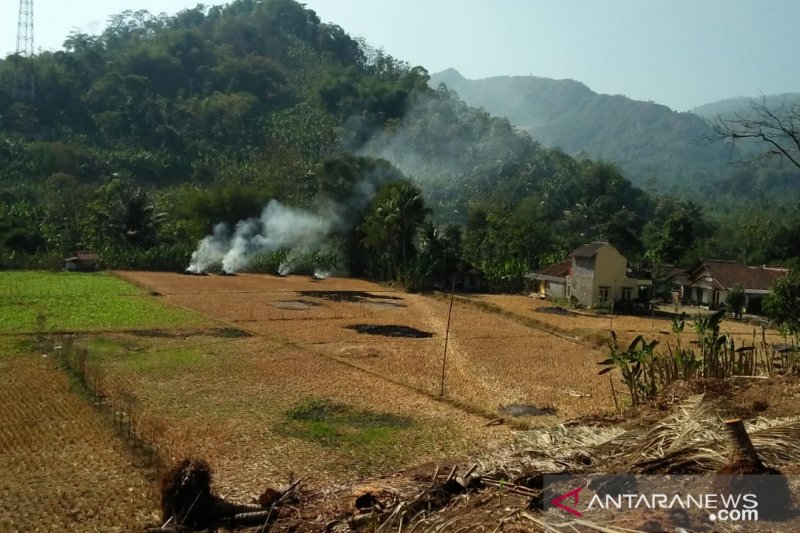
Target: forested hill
x=656, y=147
x=138, y=141
x=257, y=92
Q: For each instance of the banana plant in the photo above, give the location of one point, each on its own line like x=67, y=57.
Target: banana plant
x=637, y=366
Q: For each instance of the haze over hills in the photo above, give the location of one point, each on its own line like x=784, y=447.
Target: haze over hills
x=730, y=106
x=656, y=147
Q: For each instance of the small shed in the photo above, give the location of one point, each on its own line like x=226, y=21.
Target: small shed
x=82, y=262
x=468, y=278
x=472, y=280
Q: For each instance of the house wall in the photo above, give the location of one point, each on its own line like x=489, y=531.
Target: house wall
x=706, y=296
x=556, y=290
x=610, y=268
x=471, y=283
x=582, y=280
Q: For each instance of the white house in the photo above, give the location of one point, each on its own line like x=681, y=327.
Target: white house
x=712, y=280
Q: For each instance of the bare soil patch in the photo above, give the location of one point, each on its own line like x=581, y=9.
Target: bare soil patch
x=348, y=296
x=296, y=305
x=390, y=330
x=517, y=409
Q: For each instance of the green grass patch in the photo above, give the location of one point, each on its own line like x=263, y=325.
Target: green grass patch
x=11, y=345
x=128, y=356
x=45, y=301
x=102, y=348
x=165, y=359
x=336, y=425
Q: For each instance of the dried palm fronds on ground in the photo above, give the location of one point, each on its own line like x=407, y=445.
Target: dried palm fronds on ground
x=497, y=493
x=691, y=440
x=552, y=449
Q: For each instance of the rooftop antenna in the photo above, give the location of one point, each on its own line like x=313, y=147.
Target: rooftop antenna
x=25, y=50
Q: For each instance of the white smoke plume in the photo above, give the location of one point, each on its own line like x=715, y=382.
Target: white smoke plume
x=210, y=250
x=278, y=227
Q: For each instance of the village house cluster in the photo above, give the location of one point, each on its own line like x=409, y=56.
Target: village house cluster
x=596, y=275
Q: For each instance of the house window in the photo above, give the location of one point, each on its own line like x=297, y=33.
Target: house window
x=626, y=293
x=604, y=294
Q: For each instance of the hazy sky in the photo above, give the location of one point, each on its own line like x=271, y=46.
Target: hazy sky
x=681, y=53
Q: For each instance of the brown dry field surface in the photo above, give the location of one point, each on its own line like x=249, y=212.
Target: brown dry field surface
x=224, y=392
x=61, y=467
x=225, y=400
x=492, y=360
x=595, y=328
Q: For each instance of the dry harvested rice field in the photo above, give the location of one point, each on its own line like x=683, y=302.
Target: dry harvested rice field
x=61, y=466
x=241, y=370
x=492, y=360
x=595, y=328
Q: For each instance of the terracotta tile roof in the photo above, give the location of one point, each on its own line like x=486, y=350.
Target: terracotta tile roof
x=675, y=275
x=557, y=270
x=728, y=274
x=587, y=250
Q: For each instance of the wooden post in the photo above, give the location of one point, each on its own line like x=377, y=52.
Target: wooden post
x=613, y=296
x=446, y=337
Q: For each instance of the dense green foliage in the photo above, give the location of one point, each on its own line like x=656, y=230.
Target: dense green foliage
x=783, y=304
x=142, y=140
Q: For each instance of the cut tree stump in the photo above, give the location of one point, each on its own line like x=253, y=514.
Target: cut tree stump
x=746, y=473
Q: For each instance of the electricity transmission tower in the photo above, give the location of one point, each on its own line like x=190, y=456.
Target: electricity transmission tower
x=25, y=28
x=25, y=84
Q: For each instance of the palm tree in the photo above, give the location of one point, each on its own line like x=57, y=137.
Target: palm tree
x=397, y=212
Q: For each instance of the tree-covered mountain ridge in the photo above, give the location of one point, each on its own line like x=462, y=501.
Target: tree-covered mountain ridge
x=167, y=135
x=656, y=147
